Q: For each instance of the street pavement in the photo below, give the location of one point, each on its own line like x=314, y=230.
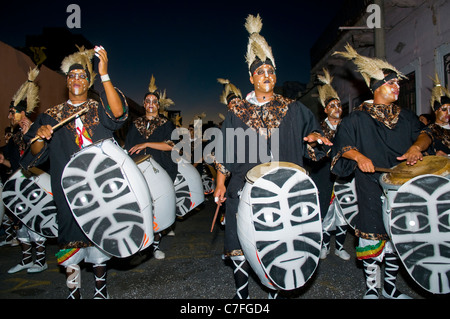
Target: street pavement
x=192, y=270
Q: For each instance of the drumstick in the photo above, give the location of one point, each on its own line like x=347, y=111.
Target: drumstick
x=70, y=118
x=384, y=170
x=215, y=216
x=391, y=170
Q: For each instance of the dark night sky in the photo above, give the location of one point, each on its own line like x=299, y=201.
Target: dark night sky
x=187, y=45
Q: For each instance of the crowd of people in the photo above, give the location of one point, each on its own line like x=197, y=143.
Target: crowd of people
x=334, y=147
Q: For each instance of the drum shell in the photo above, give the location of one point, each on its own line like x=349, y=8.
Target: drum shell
x=251, y=236
x=134, y=230
x=419, y=230
x=40, y=216
x=162, y=192
x=2, y=206
x=188, y=188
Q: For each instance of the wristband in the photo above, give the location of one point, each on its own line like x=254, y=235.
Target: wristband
x=105, y=78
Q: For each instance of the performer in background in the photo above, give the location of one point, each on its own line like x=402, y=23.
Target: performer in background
x=320, y=170
x=100, y=121
x=261, y=109
x=151, y=134
x=378, y=133
x=439, y=131
x=230, y=96
x=23, y=104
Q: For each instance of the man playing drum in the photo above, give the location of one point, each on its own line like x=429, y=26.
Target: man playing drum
x=264, y=114
x=378, y=133
x=439, y=131
x=24, y=102
x=320, y=170
x=100, y=121
x=151, y=134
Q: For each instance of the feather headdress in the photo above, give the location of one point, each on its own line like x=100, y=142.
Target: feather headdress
x=84, y=58
x=164, y=102
x=257, y=47
x=152, y=86
x=370, y=68
x=29, y=92
x=326, y=91
x=229, y=91
x=439, y=94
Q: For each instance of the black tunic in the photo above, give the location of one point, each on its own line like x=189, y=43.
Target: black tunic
x=158, y=129
x=382, y=137
x=293, y=120
x=100, y=123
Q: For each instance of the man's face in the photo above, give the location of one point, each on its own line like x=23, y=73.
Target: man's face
x=151, y=104
x=14, y=117
x=264, y=78
x=77, y=82
x=334, y=110
x=389, y=91
x=443, y=114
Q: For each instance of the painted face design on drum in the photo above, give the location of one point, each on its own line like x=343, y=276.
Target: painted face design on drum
x=31, y=204
x=93, y=181
x=420, y=227
x=286, y=219
x=77, y=82
x=264, y=78
x=345, y=191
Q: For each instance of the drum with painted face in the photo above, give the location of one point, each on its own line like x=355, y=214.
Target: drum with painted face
x=109, y=198
x=162, y=190
x=402, y=173
x=188, y=188
x=419, y=227
x=2, y=206
x=208, y=179
x=347, y=201
x=278, y=224
x=28, y=195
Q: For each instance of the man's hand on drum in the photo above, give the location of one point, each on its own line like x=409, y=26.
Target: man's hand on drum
x=137, y=148
x=412, y=155
x=315, y=137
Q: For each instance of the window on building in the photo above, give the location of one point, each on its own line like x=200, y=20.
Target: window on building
x=447, y=70
x=407, y=97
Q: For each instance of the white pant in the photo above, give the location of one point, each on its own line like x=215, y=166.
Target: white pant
x=26, y=235
x=92, y=255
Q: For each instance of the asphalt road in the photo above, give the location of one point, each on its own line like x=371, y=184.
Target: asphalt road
x=193, y=271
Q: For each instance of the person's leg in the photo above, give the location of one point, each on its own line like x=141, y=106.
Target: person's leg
x=100, y=272
x=241, y=269
x=73, y=280
x=390, y=276
x=341, y=232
